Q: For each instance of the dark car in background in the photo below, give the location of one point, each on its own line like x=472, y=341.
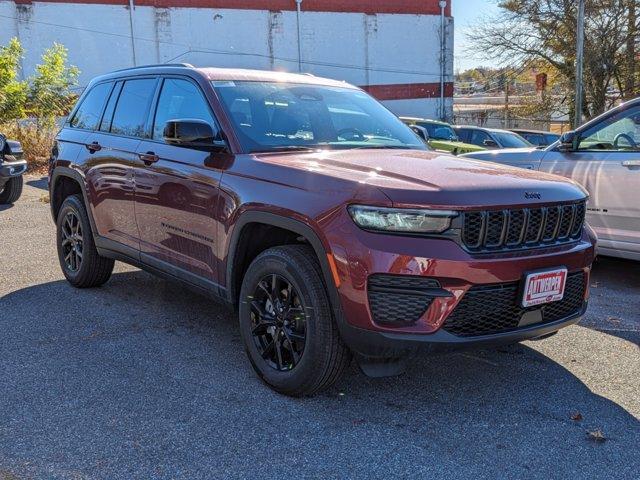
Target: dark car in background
x=12, y=167
x=316, y=213
x=539, y=138
x=490, y=138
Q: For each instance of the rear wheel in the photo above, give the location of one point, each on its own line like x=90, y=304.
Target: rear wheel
x=11, y=190
x=79, y=259
x=287, y=324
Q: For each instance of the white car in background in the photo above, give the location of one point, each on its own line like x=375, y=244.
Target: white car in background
x=604, y=156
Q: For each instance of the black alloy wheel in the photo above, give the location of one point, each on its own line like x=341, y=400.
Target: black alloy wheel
x=278, y=322
x=72, y=242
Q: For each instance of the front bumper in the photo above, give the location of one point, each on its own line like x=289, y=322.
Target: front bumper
x=359, y=254
x=10, y=169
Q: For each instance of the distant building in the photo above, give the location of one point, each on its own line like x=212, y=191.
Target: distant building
x=391, y=48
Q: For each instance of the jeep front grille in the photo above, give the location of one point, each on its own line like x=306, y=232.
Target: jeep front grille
x=500, y=230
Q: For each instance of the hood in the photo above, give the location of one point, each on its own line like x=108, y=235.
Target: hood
x=425, y=178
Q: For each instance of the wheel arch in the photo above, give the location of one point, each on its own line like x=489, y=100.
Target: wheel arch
x=64, y=182
x=300, y=229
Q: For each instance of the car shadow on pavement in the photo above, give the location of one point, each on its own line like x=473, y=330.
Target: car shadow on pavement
x=5, y=206
x=142, y=375
x=41, y=183
x=615, y=298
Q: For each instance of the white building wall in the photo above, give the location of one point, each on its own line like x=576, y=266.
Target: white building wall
x=363, y=49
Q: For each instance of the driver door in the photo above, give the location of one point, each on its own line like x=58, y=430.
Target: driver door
x=607, y=163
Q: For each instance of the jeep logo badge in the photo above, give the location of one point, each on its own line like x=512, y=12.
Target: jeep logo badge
x=532, y=195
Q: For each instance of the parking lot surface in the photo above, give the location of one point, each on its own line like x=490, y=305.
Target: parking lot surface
x=142, y=378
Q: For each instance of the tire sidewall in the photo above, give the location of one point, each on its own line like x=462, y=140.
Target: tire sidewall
x=71, y=204
x=265, y=265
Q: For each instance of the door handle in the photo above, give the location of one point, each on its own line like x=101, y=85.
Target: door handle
x=631, y=163
x=93, y=147
x=149, y=157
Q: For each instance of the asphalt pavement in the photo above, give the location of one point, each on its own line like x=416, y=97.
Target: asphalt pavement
x=142, y=378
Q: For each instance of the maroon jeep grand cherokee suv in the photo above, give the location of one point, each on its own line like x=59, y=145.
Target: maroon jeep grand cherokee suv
x=308, y=206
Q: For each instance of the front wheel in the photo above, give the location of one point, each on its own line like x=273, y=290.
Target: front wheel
x=81, y=264
x=287, y=325
x=11, y=191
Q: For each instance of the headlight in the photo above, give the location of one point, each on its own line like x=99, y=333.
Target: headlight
x=401, y=220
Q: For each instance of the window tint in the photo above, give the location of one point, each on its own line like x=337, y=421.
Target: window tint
x=131, y=111
x=620, y=132
x=275, y=115
x=105, y=124
x=478, y=137
x=511, y=140
x=89, y=112
x=463, y=134
x=181, y=99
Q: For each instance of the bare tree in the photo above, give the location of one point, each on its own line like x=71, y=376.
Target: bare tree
x=545, y=30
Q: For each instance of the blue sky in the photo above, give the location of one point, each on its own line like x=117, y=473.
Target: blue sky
x=465, y=14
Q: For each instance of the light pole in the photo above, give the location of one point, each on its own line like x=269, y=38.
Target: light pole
x=579, y=62
x=443, y=57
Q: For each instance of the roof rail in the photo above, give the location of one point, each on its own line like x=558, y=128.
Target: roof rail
x=185, y=65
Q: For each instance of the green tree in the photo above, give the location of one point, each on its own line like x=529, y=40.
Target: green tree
x=13, y=92
x=50, y=94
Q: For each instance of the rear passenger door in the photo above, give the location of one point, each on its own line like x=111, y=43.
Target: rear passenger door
x=111, y=157
x=177, y=190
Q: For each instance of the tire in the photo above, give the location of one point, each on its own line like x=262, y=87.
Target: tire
x=11, y=191
x=91, y=270
x=324, y=356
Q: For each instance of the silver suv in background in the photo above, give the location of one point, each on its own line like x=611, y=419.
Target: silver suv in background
x=604, y=156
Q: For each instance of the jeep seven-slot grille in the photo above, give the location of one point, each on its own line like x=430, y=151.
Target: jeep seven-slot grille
x=500, y=230
x=489, y=309
x=399, y=300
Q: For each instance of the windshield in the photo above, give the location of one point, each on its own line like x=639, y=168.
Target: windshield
x=439, y=132
x=511, y=140
x=269, y=116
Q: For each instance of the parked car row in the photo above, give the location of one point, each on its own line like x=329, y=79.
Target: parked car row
x=318, y=215
x=459, y=139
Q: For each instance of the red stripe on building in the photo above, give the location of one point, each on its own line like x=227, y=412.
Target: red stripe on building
x=420, y=7
x=406, y=91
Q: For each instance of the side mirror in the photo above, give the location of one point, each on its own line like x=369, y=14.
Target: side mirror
x=489, y=143
x=3, y=144
x=421, y=132
x=568, y=141
x=192, y=133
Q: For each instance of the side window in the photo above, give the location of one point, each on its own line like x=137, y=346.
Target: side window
x=619, y=132
x=105, y=124
x=130, y=115
x=463, y=135
x=89, y=112
x=181, y=99
x=478, y=137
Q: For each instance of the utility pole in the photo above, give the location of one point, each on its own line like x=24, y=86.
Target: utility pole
x=298, y=12
x=579, y=62
x=443, y=58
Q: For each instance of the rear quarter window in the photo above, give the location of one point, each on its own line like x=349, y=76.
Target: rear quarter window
x=89, y=112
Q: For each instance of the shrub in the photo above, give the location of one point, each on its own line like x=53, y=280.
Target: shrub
x=29, y=109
